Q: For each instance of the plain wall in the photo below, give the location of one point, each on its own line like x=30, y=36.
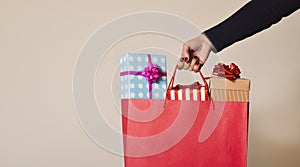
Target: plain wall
x=39, y=45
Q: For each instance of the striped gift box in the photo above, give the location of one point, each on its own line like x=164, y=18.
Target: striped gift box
x=189, y=94
x=194, y=92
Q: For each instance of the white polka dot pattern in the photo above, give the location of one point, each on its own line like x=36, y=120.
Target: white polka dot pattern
x=139, y=58
x=131, y=68
x=157, y=95
x=136, y=86
x=130, y=58
x=140, y=68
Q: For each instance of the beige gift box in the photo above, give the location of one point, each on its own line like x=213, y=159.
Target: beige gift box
x=222, y=89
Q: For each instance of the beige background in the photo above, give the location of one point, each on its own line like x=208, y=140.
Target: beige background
x=39, y=44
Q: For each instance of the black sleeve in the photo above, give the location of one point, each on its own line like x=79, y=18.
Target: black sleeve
x=253, y=17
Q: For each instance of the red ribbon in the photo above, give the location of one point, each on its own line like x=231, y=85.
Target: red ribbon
x=231, y=71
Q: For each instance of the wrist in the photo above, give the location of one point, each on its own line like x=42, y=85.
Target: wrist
x=207, y=40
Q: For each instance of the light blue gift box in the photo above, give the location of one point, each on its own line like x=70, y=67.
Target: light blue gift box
x=134, y=71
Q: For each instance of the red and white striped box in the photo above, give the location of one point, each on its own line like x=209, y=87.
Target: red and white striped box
x=193, y=92
x=189, y=94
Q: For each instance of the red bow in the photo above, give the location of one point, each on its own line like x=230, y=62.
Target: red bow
x=231, y=71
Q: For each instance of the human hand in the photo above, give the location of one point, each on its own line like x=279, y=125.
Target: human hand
x=194, y=53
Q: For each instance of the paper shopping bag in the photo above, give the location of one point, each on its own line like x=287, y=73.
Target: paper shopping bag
x=186, y=133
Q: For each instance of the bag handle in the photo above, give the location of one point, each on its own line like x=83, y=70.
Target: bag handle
x=171, y=84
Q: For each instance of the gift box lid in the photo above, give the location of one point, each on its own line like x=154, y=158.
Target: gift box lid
x=241, y=84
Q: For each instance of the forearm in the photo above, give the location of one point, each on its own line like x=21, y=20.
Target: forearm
x=254, y=17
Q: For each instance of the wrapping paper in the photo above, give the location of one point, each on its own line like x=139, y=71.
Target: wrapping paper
x=137, y=79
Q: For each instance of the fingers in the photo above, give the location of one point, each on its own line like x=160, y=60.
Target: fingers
x=180, y=63
x=184, y=59
x=195, y=53
x=193, y=62
x=185, y=52
x=200, y=59
x=186, y=66
x=198, y=65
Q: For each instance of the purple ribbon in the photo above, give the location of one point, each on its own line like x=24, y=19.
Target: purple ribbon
x=152, y=73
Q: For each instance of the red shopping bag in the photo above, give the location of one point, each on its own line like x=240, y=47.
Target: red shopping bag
x=186, y=133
